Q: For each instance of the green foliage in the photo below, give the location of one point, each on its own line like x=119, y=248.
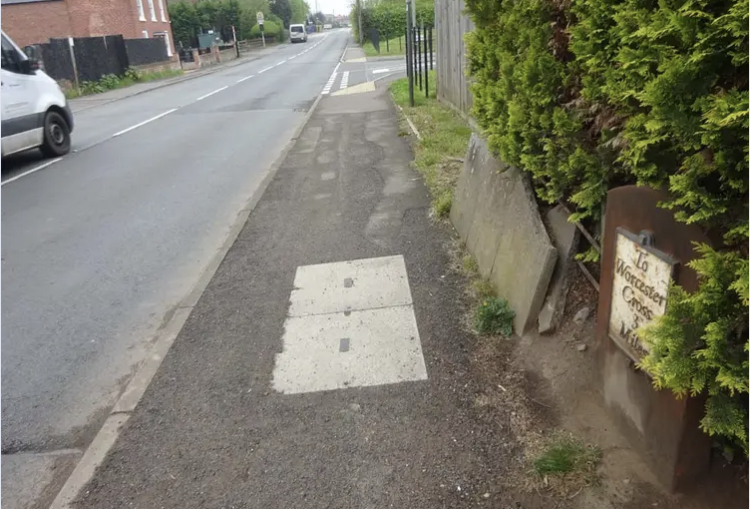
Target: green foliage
x=701, y=345
x=112, y=81
x=191, y=19
x=282, y=9
x=388, y=17
x=270, y=28
x=299, y=11
x=494, y=316
x=588, y=95
x=564, y=455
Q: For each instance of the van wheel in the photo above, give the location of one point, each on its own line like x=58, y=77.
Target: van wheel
x=56, y=135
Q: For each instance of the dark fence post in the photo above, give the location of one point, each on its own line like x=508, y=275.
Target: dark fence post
x=409, y=66
x=419, y=56
x=424, y=45
x=431, y=55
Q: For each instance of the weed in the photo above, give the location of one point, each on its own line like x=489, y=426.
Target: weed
x=483, y=288
x=564, y=454
x=112, y=81
x=445, y=136
x=470, y=264
x=494, y=316
x=441, y=204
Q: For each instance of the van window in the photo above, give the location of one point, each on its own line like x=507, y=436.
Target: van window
x=10, y=56
x=297, y=28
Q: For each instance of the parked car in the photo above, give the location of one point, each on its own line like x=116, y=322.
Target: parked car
x=297, y=33
x=35, y=112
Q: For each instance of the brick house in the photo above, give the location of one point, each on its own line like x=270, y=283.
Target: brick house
x=35, y=21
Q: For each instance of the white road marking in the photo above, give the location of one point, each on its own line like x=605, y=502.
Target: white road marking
x=212, y=93
x=245, y=78
x=141, y=124
x=329, y=83
x=391, y=69
x=350, y=324
x=264, y=70
x=279, y=63
x=293, y=56
x=344, y=80
x=33, y=170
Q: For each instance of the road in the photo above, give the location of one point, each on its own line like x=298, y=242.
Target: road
x=100, y=247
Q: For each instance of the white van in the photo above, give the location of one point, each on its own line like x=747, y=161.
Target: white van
x=35, y=112
x=297, y=33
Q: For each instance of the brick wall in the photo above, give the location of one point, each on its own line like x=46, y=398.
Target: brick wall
x=36, y=22
x=39, y=21
x=90, y=18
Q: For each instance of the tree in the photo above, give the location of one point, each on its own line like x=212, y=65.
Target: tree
x=186, y=23
x=299, y=11
x=282, y=9
x=320, y=17
x=592, y=94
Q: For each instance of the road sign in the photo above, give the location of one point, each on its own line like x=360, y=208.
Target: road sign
x=259, y=17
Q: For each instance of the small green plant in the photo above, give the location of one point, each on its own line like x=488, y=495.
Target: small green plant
x=132, y=74
x=442, y=204
x=112, y=81
x=470, y=264
x=494, y=316
x=563, y=455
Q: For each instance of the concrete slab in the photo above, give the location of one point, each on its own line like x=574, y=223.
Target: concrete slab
x=357, y=349
x=467, y=189
x=350, y=285
x=496, y=213
x=565, y=237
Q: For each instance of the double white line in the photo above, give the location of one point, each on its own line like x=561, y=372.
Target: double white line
x=329, y=83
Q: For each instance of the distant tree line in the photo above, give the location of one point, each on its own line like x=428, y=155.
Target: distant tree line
x=191, y=19
x=388, y=17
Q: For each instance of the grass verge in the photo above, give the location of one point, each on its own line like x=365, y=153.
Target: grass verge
x=395, y=46
x=445, y=135
x=112, y=82
x=565, y=464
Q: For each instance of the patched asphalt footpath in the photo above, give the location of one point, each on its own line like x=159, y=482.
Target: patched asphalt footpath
x=326, y=365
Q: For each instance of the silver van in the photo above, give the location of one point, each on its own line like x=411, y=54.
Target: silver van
x=297, y=33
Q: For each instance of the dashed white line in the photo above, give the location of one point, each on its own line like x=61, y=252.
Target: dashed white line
x=212, y=93
x=264, y=70
x=29, y=172
x=245, y=78
x=344, y=80
x=141, y=124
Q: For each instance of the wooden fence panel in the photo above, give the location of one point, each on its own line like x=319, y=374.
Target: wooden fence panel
x=451, y=24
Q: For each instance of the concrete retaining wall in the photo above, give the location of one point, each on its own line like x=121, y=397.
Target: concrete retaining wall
x=495, y=213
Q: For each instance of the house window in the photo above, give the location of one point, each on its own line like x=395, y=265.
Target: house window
x=141, y=15
x=151, y=10
x=145, y=34
x=161, y=11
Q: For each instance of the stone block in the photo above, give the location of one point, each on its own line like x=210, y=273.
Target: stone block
x=495, y=213
x=565, y=237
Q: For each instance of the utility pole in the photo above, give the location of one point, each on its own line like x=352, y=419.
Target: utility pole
x=359, y=20
x=409, y=53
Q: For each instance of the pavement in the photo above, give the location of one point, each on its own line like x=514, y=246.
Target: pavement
x=325, y=365
x=101, y=248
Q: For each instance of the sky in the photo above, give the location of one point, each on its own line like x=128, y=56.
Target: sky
x=331, y=6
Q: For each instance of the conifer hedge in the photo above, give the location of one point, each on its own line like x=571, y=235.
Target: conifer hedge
x=586, y=95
